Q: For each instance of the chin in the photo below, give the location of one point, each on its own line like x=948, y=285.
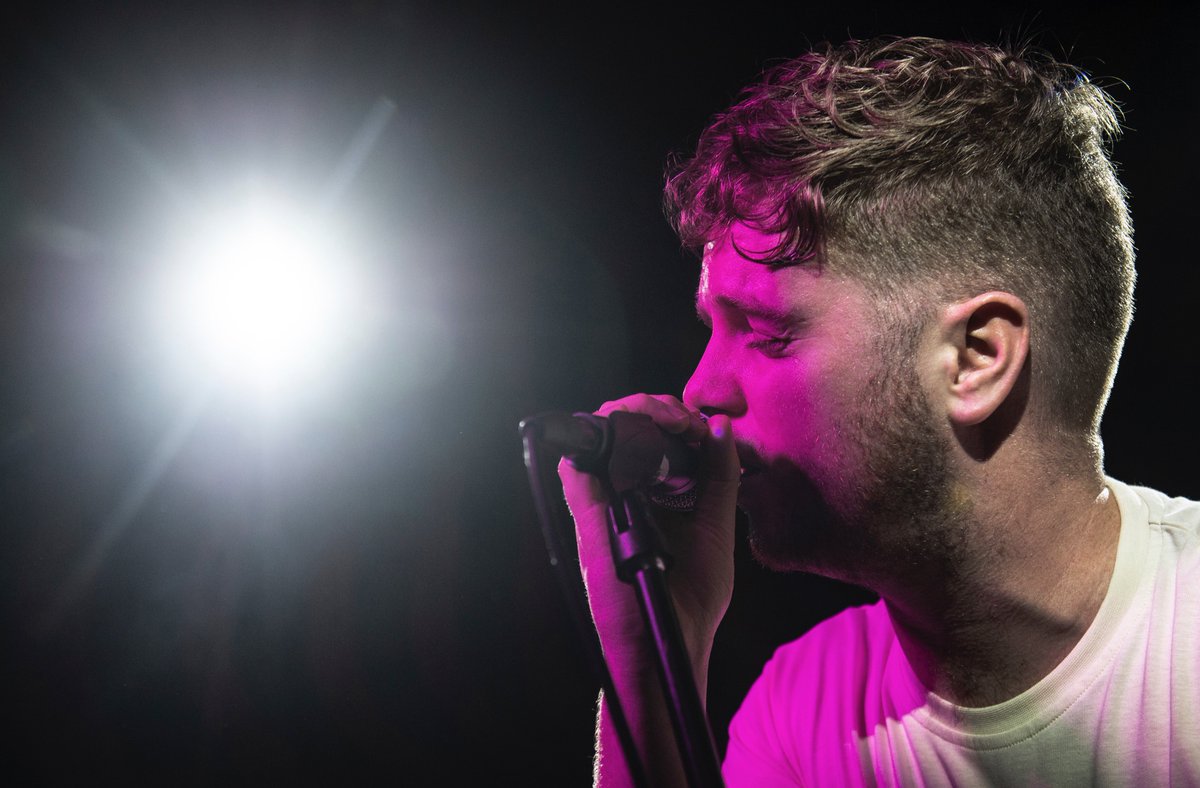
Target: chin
x=791, y=528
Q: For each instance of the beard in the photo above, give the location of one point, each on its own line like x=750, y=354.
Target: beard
x=887, y=503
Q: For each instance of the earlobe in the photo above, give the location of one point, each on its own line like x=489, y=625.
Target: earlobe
x=985, y=346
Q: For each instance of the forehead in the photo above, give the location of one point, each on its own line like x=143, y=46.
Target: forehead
x=730, y=273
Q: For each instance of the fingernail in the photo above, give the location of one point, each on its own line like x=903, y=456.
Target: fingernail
x=719, y=427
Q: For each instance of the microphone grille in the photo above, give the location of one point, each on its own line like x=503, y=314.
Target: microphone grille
x=682, y=502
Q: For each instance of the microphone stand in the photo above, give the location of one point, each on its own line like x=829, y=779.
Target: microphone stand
x=642, y=562
x=626, y=457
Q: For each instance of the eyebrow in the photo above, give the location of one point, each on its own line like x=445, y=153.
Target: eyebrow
x=752, y=308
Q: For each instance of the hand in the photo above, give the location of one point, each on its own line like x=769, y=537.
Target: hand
x=700, y=542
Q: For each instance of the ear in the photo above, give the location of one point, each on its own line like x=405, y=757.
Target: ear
x=983, y=345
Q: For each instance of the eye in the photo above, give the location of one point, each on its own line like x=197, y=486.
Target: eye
x=772, y=346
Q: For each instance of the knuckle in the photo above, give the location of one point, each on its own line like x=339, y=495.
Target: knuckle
x=643, y=402
x=637, y=403
x=669, y=400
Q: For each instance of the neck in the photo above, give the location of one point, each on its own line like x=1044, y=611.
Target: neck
x=1029, y=573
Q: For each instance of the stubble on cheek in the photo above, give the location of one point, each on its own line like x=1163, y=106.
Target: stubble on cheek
x=879, y=490
x=793, y=498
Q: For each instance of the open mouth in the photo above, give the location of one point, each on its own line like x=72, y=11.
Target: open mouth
x=748, y=458
x=750, y=465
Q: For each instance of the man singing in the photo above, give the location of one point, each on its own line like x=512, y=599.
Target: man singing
x=917, y=266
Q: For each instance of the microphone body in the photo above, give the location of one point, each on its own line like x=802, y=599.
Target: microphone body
x=631, y=450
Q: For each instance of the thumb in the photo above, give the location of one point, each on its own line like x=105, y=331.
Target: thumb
x=722, y=473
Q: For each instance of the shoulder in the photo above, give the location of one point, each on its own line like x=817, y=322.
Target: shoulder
x=813, y=692
x=850, y=643
x=841, y=666
x=1177, y=518
x=1164, y=509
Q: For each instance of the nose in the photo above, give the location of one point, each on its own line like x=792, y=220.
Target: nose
x=714, y=386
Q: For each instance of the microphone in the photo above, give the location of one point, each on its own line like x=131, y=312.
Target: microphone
x=628, y=448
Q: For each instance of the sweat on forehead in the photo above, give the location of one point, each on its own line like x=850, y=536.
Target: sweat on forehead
x=731, y=278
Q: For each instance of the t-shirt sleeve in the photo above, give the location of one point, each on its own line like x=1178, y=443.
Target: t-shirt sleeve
x=756, y=757
x=797, y=724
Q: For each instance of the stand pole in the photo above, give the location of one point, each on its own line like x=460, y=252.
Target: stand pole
x=642, y=562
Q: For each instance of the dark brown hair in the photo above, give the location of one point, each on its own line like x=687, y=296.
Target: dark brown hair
x=944, y=169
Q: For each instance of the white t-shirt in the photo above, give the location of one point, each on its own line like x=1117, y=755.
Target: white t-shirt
x=841, y=705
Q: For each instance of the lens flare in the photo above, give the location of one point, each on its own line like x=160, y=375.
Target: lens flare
x=261, y=296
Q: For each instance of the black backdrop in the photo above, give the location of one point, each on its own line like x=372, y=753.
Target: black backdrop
x=355, y=587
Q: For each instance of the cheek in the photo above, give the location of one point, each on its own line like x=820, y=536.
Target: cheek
x=798, y=410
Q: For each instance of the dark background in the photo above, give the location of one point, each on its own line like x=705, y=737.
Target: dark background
x=354, y=586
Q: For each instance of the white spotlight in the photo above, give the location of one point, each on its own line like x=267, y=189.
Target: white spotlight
x=261, y=295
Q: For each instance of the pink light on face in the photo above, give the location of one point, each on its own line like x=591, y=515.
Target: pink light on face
x=794, y=361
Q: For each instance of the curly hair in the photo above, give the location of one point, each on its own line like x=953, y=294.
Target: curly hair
x=941, y=168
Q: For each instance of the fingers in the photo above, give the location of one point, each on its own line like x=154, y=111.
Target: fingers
x=585, y=495
x=668, y=413
x=721, y=469
x=586, y=500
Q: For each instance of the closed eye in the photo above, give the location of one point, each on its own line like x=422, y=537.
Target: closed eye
x=770, y=345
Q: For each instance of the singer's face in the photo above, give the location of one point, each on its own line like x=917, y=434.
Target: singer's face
x=839, y=448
